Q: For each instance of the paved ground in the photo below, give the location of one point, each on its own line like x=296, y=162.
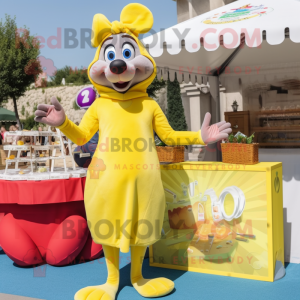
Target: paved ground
x=12, y=297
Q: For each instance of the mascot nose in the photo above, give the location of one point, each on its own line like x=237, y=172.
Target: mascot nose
x=118, y=66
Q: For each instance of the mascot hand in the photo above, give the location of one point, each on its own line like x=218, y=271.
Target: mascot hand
x=212, y=134
x=53, y=115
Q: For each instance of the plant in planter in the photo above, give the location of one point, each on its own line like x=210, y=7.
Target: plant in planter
x=240, y=138
x=176, y=118
x=235, y=105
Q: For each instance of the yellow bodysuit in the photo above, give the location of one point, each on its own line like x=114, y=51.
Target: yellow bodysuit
x=124, y=197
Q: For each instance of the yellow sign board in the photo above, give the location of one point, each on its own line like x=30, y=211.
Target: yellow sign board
x=219, y=220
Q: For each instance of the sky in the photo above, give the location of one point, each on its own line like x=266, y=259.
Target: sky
x=47, y=18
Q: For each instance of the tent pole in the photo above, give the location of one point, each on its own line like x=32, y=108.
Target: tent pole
x=218, y=112
x=218, y=116
x=215, y=93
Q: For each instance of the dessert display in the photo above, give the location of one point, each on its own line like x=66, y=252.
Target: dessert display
x=42, y=170
x=274, y=107
x=276, y=116
x=280, y=128
x=35, y=155
x=11, y=157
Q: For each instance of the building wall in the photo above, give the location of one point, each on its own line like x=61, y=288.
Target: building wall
x=233, y=92
x=187, y=111
x=182, y=10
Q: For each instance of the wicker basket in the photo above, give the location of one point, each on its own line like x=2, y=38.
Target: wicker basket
x=2, y=156
x=234, y=153
x=170, y=154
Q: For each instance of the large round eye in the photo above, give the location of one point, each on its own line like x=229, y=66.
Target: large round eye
x=128, y=51
x=110, y=53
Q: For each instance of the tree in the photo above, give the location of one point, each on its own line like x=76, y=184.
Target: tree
x=78, y=76
x=29, y=122
x=155, y=86
x=60, y=74
x=19, y=64
x=175, y=111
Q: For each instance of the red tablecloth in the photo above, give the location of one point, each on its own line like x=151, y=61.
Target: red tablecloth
x=31, y=233
x=42, y=192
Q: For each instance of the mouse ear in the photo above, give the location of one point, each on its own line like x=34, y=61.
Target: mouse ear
x=137, y=17
x=100, y=29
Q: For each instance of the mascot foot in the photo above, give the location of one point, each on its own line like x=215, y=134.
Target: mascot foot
x=152, y=288
x=101, y=292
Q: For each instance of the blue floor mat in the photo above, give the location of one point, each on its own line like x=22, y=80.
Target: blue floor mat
x=61, y=283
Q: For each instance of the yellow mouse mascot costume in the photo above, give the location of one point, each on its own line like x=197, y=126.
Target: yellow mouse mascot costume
x=124, y=196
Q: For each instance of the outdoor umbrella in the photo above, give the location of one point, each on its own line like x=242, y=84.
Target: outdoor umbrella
x=7, y=115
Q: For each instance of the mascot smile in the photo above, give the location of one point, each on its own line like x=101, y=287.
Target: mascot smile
x=125, y=203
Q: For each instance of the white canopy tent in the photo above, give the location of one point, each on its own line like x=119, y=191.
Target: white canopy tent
x=237, y=35
x=242, y=38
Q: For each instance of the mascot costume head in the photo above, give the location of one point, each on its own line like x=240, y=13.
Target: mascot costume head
x=124, y=196
x=122, y=68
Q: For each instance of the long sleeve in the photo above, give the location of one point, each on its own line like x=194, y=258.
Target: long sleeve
x=88, y=126
x=169, y=136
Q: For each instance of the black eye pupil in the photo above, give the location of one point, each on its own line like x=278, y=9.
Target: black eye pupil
x=127, y=53
x=111, y=55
